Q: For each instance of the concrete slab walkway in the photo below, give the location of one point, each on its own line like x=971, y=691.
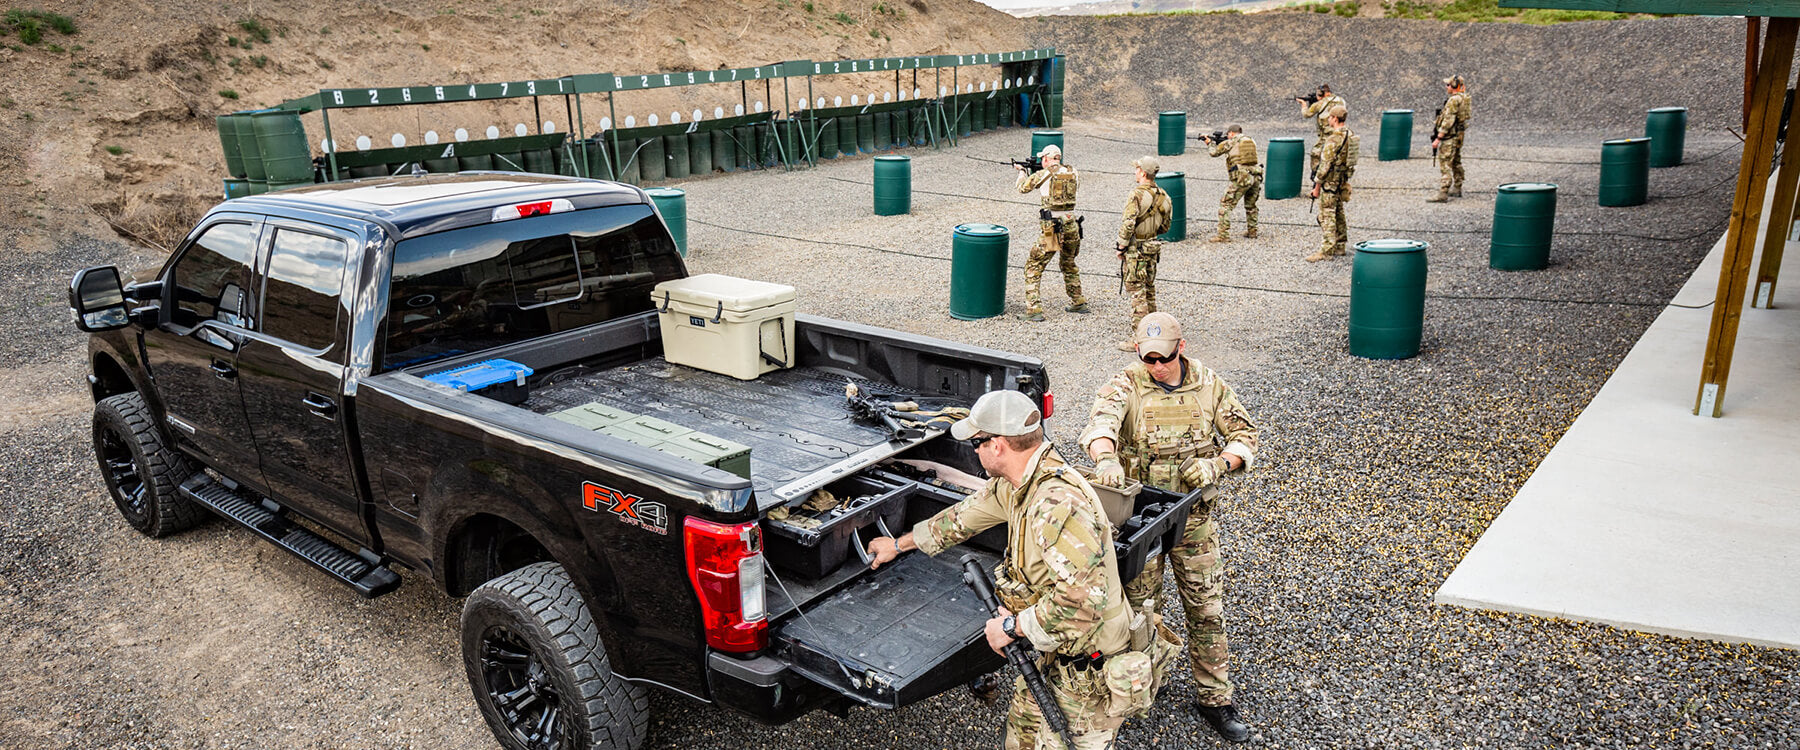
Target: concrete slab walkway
x=1648, y=517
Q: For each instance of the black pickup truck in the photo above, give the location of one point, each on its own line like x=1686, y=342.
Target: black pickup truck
x=283, y=371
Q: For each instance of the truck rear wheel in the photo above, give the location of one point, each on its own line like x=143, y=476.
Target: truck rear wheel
x=539, y=671
x=142, y=473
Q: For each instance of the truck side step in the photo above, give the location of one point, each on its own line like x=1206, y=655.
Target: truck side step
x=368, y=577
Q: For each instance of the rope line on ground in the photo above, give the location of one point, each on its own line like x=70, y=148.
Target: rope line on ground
x=1466, y=156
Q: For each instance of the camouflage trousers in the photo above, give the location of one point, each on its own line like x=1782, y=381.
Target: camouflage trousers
x=1140, y=277
x=1065, y=244
x=1333, y=229
x=1240, y=188
x=1449, y=161
x=1199, y=579
x=1083, y=696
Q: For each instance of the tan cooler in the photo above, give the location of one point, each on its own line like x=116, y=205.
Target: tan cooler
x=727, y=325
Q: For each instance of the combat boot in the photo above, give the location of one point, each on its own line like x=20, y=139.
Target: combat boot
x=1442, y=196
x=1456, y=190
x=1250, y=235
x=1219, y=238
x=1316, y=257
x=1033, y=315
x=1078, y=307
x=1224, y=720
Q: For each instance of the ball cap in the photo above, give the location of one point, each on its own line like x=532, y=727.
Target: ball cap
x=1050, y=149
x=1146, y=163
x=1158, y=334
x=1453, y=81
x=999, y=413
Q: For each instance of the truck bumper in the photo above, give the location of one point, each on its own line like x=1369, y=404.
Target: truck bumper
x=765, y=688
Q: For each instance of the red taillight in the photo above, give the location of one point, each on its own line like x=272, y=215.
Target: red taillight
x=1049, y=404
x=536, y=208
x=725, y=565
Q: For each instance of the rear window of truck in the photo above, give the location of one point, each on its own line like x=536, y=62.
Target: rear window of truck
x=476, y=288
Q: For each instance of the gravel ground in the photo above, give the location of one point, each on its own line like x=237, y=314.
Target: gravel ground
x=1376, y=477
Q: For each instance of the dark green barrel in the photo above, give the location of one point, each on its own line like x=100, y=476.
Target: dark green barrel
x=1666, y=127
x=767, y=152
x=1624, y=172
x=902, y=124
x=236, y=187
x=990, y=112
x=672, y=204
x=247, y=149
x=601, y=162
x=281, y=142
x=1175, y=184
x=1004, y=108
x=1053, y=110
x=792, y=148
x=1171, y=133
x=826, y=138
x=275, y=185
x=893, y=185
x=441, y=166
x=965, y=118
x=652, y=163
x=506, y=161
x=483, y=161
x=1042, y=138
x=921, y=125
x=1387, y=298
x=539, y=161
x=978, y=271
x=724, y=150
x=865, y=133
x=743, y=138
x=1524, y=220
x=1281, y=178
x=257, y=187
x=1396, y=134
x=373, y=170
x=700, y=155
x=883, y=139
x=847, y=134
x=675, y=156
x=628, y=160
x=228, y=142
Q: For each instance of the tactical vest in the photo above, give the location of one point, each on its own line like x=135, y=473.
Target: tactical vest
x=1157, y=219
x=1244, y=155
x=1319, y=120
x=1060, y=194
x=1347, y=154
x=1017, y=596
x=1163, y=429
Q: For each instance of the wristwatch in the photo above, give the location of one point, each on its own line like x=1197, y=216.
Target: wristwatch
x=1009, y=626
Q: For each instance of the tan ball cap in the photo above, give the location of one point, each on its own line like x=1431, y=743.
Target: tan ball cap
x=1050, y=150
x=999, y=413
x=1158, y=334
x=1146, y=163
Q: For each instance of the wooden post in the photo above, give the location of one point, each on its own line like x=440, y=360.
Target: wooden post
x=1776, y=240
x=1746, y=212
x=1752, y=35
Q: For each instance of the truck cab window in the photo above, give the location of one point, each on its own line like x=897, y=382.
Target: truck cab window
x=304, y=281
x=208, y=281
x=476, y=288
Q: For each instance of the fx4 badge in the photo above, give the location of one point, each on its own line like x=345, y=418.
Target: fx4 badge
x=631, y=509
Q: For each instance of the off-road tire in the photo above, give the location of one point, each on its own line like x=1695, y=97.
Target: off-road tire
x=142, y=472
x=538, y=607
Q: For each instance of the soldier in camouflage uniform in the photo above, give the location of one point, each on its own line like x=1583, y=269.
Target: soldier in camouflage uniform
x=1148, y=211
x=1246, y=180
x=1319, y=111
x=1059, y=233
x=1447, y=139
x=1331, y=186
x=1059, y=581
x=1168, y=422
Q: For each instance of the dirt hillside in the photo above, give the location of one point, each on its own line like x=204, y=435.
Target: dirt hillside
x=146, y=79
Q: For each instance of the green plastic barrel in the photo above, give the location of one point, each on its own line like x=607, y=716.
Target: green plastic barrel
x=724, y=150
x=883, y=138
x=1005, y=109
x=236, y=187
x=1666, y=127
x=825, y=138
x=1524, y=220
x=540, y=161
x=743, y=141
x=792, y=148
x=1396, y=134
x=281, y=142
x=275, y=185
x=367, y=170
x=628, y=160
x=847, y=134
x=257, y=187
x=1053, y=110
x=601, y=163
x=700, y=155
x=921, y=126
x=902, y=125
x=965, y=117
x=893, y=185
x=228, y=142
x=672, y=204
x=767, y=155
x=1281, y=178
x=652, y=163
x=1171, y=133
x=978, y=271
x=1175, y=184
x=865, y=133
x=1624, y=172
x=247, y=148
x=1387, y=298
x=1042, y=138
x=506, y=161
x=441, y=166
x=675, y=156
x=990, y=112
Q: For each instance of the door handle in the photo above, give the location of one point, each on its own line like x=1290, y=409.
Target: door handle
x=320, y=406
x=223, y=370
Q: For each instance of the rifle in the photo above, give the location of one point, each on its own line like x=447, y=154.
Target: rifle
x=1031, y=164
x=1021, y=655
x=1215, y=137
x=1435, y=116
x=1312, y=98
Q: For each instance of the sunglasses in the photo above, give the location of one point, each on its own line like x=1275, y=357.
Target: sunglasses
x=1151, y=359
x=976, y=443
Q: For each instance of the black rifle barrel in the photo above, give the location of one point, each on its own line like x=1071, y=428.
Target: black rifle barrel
x=1021, y=655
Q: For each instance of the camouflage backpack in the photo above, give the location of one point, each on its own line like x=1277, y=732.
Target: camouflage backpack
x=1352, y=144
x=1164, y=208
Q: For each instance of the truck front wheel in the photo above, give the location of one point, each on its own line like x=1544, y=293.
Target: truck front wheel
x=539, y=671
x=142, y=474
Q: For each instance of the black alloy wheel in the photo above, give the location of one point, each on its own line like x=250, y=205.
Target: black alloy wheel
x=522, y=691
x=142, y=473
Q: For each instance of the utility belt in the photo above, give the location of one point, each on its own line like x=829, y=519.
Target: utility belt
x=1094, y=660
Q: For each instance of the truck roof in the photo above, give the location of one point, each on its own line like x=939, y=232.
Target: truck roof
x=418, y=204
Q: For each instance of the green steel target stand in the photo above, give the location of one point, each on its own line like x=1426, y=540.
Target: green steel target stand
x=1028, y=92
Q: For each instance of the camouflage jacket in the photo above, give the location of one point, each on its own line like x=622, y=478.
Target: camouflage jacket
x=1056, y=190
x=1332, y=172
x=1148, y=211
x=1320, y=111
x=1060, y=576
x=1156, y=430
x=1240, y=157
x=1454, y=118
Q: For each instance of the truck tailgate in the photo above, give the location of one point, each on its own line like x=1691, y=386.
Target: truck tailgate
x=894, y=636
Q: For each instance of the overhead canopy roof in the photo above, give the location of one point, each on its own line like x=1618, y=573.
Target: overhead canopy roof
x=1773, y=8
